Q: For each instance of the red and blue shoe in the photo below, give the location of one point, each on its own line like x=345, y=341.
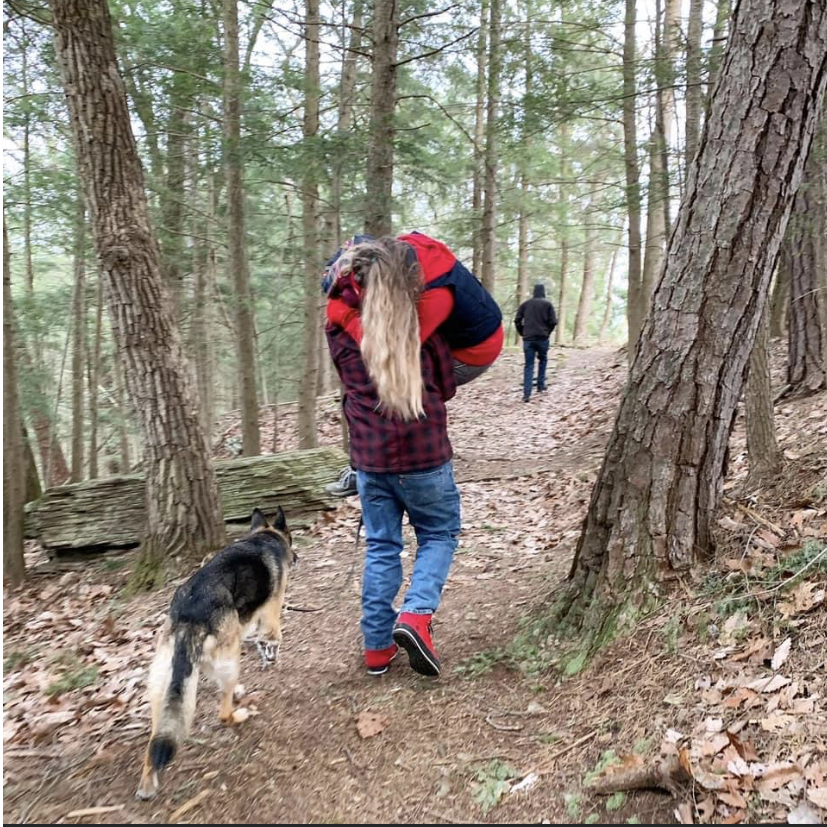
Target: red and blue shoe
x=413, y=633
x=378, y=660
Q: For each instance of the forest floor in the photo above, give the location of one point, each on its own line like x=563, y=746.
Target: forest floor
x=730, y=675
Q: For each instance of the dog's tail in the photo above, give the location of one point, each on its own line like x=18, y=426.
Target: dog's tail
x=173, y=683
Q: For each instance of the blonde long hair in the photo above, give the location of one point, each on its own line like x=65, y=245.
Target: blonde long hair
x=391, y=280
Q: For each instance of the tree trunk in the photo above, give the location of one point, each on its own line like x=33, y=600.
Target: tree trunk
x=310, y=198
x=584, y=306
x=479, y=139
x=779, y=301
x=173, y=194
x=694, y=88
x=762, y=445
x=123, y=414
x=562, y=223
x=653, y=507
x=237, y=258
x=489, y=213
x=525, y=141
x=94, y=381
x=32, y=488
x=14, y=482
x=78, y=340
x=27, y=167
x=632, y=167
x=562, y=309
x=607, y=311
x=805, y=361
x=719, y=37
x=657, y=212
x=379, y=183
x=52, y=459
x=347, y=92
x=183, y=509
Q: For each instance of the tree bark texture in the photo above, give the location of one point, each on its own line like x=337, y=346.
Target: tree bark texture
x=489, y=212
x=379, y=183
x=310, y=233
x=237, y=259
x=108, y=513
x=653, y=506
x=183, y=511
x=14, y=477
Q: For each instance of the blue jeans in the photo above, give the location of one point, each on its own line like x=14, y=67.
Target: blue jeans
x=431, y=500
x=538, y=348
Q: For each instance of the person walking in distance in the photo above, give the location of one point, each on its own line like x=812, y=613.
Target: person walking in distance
x=535, y=322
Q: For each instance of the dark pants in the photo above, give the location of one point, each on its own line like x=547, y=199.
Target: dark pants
x=532, y=348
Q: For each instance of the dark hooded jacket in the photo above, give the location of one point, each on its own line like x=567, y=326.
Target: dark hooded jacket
x=536, y=319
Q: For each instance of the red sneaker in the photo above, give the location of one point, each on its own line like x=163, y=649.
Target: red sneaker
x=413, y=633
x=378, y=660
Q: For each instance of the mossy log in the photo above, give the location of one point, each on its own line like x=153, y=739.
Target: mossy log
x=110, y=512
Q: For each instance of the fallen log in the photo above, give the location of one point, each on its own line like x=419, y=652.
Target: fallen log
x=110, y=512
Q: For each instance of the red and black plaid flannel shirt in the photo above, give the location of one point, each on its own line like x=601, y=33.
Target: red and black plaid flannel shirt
x=382, y=444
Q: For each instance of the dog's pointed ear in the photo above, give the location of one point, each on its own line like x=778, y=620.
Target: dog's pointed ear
x=258, y=521
x=279, y=520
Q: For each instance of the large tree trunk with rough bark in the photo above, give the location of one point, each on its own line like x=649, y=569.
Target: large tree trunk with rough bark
x=762, y=444
x=653, y=506
x=183, y=510
x=237, y=259
x=805, y=361
x=379, y=183
x=310, y=233
x=14, y=480
x=489, y=212
x=634, y=301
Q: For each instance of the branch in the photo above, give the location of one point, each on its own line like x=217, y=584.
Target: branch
x=440, y=49
x=427, y=14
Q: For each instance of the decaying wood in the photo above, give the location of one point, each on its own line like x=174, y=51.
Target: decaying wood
x=665, y=775
x=110, y=512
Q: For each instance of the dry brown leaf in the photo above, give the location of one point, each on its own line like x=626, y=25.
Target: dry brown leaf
x=777, y=776
x=781, y=654
x=776, y=722
x=818, y=795
x=735, y=818
x=744, y=748
x=684, y=814
x=732, y=798
x=370, y=723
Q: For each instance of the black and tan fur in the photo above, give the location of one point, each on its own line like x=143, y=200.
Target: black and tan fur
x=238, y=594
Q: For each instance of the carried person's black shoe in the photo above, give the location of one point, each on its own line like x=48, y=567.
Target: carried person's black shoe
x=345, y=486
x=526, y=398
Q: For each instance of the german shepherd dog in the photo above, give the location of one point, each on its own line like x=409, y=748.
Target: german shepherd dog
x=238, y=594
